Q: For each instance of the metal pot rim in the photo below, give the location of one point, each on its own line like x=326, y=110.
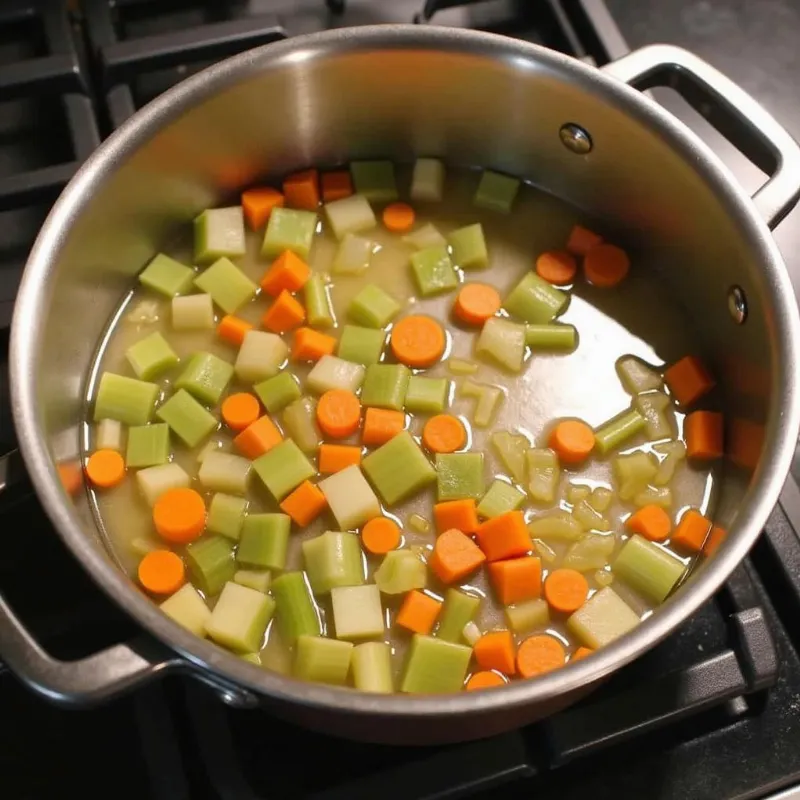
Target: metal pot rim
x=31, y=302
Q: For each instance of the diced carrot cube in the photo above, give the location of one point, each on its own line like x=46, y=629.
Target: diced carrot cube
x=311, y=345
x=688, y=380
x=305, y=503
x=504, y=537
x=690, y=533
x=495, y=650
x=258, y=203
x=258, y=438
x=703, y=431
x=285, y=313
x=233, y=330
x=301, y=190
x=336, y=185
x=516, y=579
x=714, y=540
x=287, y=272
x=455, y=556
x=581, y=652
x=581, y=240
x=745, y=442
x=459, y=514
x=381, y=425
x=336, y=457
x=418, y=613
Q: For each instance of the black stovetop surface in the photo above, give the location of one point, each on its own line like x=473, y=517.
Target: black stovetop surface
x=713, y=712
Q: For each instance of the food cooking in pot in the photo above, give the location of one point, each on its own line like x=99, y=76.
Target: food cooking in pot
x=408, y=430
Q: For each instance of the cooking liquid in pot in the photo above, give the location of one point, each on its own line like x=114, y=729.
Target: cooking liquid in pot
x=635, y=317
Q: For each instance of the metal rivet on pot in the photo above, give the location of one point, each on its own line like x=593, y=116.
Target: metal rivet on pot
x=237, y=699
x=737, y=304
x=575, y=138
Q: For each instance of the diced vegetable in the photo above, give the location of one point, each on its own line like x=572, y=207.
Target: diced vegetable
x=435, y=666
x=504, y=537
x=458, y=366
x=418, y=523
x=591, y=552
x=528, y=615
x=187, y=608
x=211, y=564
x=167, y=276
x=361, y=345
x=226, y=515
x=372, y=307
x=633, y=472
x=400, y=572
x=688, y=380
x=296, y=612
x=427, y=180
x=333, y=559
x=589, y=518
x=322, y=660
x=618, y=430
x=512, y=449
x=210, y=447
x=551, y=337
x=556, y=524
x=468, y=247
x=673, y=453
x=601, y=498
x=148, y=445
x=372, y=667
x=603, y=617
x=258, y=579
x=426, y=395
x=260, y=356
x=154, y=481
x=264, y=541
x=283, y=468
x=219, y=232
x=503, y=342
x=375, y=180
x=357, y=612
x=545, y=552
x=205, y=376
x=125, y=400
x=471, y=634
x=459, y=475
x=488, y=398
x=500, y=498
x=145, y=312
x=577, y=492
x=289, y=229
x=385, y=386
x=151, y=356
x=187, y=418
x=351, y=500
x=398, y=469
x=424, y=237
x=455, y=556
x=418, y=612
x=194, y=312
x=331, y=372
x=637, y=377
x=228, y=286
x=496, y=192
x=348, y=216
x=239, y=619
x=300, y=422
x=659, y=418
x=604, y=577
x=459, y=609
x=543, y=474
x=535, y=301
x=278, y=392
x=287, y=273
x=108, y=435
x=433, y=271
x=318, y=303
x=652, y=495
x=353, y=254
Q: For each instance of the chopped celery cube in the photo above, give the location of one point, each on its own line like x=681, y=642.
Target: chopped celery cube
x=260, y=356
x=385, y=386
x=211, y=563
x=459, y=609
x=647, y=568
x=468, y=247
x=289, y=229
x=496, y=192
x=148, y=445
x=551, y=337
x=347, y=216
x=322, y=660
x=283, y=468
x=264, y=540
x=425, y=237
x=616, y=431
x=126, y=400
x=151, y=356
x=258, y=579
x=350, y=498
x=228, y=286
x=318, y=303
x=194, y=312
x=528, y=615
x=297, y=613
x=637, y=377
x=400, y=572
x=503, y=342
x=333, y=559
x=187, y=418
x=166, y=276
x=499, y=498
x=398, y=469
x=331, y=372
x=224, y=472
x=372, y=667
x=591, y=552
x=426, y=395
x=361, y=345
x=154, y=481
x=108, y=435
x=353, y=254
x=433, y=271
x=427, y=180
x=512, y=447
x=375, y=180
x=543, y=474
x=605, y=616
x=276, y=393
x=372, y=307
x=357, y=612
x=435, y=666
x=187, y=608
x=206, y=376
x=535, y=300
x=219, y=232
x=300, y=423
x=226, y=515
x=459, y=475
x=239, y=619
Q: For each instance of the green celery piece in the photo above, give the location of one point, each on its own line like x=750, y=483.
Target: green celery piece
x=300, y=423
x=433, y=271
x=240, y=617
x=211, y=563
x=372, y=667
x=361, y=345
x=372, y=307
x=535, y=300
x=289, y=229
x=218, y=233
x=148, y=445
x=318, y=303
x=226, y=515
x=649, y=569
x=357, y=612
x=499, y=498
x=205, y=376
x=503, y=342
x=459, y=475
x=167, y=276
x=496, y=192
x=385, y=386
x=322, y=660
x=151, y=356
x=258, y=579
x=124, y=399
x=333, y=559
x=400, y=572
x=398, y=469
x=264, y=541
x=283, y=468
x=551, y=337
x=618, y=430
x=187, y=418
x=468, y=247
x=375, y=180
x=228, y=286
x=426, y=395
x=459, y=609
x=276, y=393
x=605, y=616
x=297, y=613
x=434, y=666
x=187, y=608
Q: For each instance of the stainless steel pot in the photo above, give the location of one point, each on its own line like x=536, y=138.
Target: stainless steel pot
x=473, y=98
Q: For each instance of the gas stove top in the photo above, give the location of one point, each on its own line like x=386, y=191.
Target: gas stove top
x=711, y=713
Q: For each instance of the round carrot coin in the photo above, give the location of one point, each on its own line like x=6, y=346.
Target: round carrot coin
x=484, y=680
x=105, y=469
x=380, y=535
x=398, y=217
x=476, y=302
x=572, y=440
x=606, y=265
x=179, y=515
x=418, y=341
x=240, y=410
x=565, y=590
x=539, y=654
x=557, y=267
x=444, y=433
x=161, y=572
x=338, y=413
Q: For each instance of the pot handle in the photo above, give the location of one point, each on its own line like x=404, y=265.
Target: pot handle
x=727, y=107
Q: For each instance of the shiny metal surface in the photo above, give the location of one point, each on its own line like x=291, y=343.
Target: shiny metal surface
x=575, y=139
x=397, y=91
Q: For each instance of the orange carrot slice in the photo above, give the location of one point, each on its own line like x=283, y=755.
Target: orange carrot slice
x=418, y=341
x=240, y=410
x=484, y=680
x=572, y=441
x=105, y=469
x=539, y=654
x=398, y=217
x=444, y=433
x=380, y=535
x=565, y=590
x=476, y=302
x=161, y=572
x=557, y=267
x=338, y=413
x=179, y=515
x=606, y=265
x=650, y=521
x=581, y=240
